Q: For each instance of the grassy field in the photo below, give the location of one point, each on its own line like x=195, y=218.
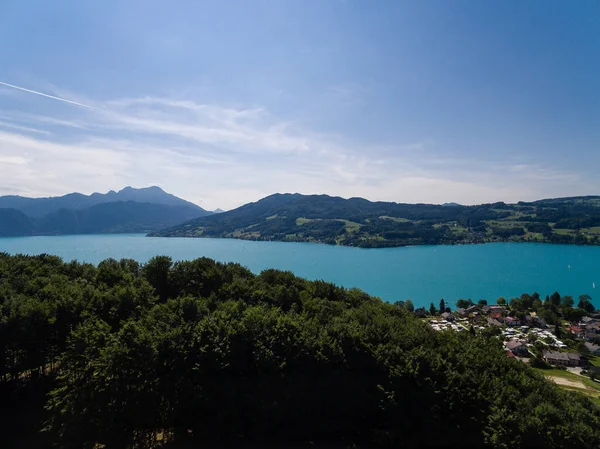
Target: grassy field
x=351, y=226
x=565, y=231
x=594, y=230
x=579, y=384
x=398, y=220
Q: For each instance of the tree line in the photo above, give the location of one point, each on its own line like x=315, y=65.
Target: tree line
x=130, y=355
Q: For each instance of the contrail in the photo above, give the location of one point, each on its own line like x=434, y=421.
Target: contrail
x=50, y=96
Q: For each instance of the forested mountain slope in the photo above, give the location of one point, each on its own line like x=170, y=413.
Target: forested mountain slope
x=122, y=216
x=129, y=210
x=358, y=222
x=204, y=353
x=15, y=223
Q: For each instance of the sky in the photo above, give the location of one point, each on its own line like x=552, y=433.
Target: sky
x=225, y=102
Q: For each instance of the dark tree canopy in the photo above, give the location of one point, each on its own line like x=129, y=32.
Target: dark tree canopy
x=464, y=303
x=205, y=353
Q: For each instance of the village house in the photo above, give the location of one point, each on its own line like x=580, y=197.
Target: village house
x=497, y=316
x=512, y=321
x=497, y=309
x=447, y=316
x=592, y=336
x=593, y=327
x=562, y=358
x=576, y=330
x=593, y=348
x=493, y=322
x=472, y=308
x=517, y=348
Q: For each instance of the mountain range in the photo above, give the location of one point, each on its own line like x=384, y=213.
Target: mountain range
x=305, y=218
x=128, y=210
x=363, y=223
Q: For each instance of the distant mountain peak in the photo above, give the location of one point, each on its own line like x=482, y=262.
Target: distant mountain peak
x=451, y=204
x=38, y=207
x=141, y=189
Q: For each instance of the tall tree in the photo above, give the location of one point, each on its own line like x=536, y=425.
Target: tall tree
x=585, y=303
x=442, y=305
x=157, y=271
x=555, y=299
x=432, y=309
x=567, y=301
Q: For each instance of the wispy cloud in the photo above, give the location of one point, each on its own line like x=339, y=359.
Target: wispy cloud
x=223, y=156
x=26, y=129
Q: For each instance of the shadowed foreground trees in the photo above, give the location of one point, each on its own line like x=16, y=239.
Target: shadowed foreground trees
x=211, y=353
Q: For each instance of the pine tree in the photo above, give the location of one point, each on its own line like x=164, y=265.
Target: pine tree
x=432, y=310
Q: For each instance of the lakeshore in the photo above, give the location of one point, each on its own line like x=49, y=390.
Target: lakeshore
x=423, y=274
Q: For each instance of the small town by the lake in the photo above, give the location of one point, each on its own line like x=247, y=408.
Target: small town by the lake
x=551, y=336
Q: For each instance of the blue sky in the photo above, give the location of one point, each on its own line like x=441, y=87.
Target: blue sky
x=224, y=102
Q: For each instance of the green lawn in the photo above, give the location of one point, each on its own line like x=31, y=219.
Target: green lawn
x=595, y=360
x=505, y=223
x=593, y=388
x=351, y=226
x=559, y=373
x=565, y=231
x=594, y=230
x=396, y=219
x=302, y=220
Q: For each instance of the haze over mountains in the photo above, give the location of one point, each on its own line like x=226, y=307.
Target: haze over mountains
x=128, y=210
x=305, y=218
x=38, y=207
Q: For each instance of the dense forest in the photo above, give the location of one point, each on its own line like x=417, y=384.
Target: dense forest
x=358, y=222
x=199, y=353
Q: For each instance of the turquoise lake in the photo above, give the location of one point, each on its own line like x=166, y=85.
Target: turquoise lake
x=423, y=273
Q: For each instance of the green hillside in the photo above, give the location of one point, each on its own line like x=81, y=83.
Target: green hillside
x=358, y=222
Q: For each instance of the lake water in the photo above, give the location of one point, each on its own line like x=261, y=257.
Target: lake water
x=423, y=273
